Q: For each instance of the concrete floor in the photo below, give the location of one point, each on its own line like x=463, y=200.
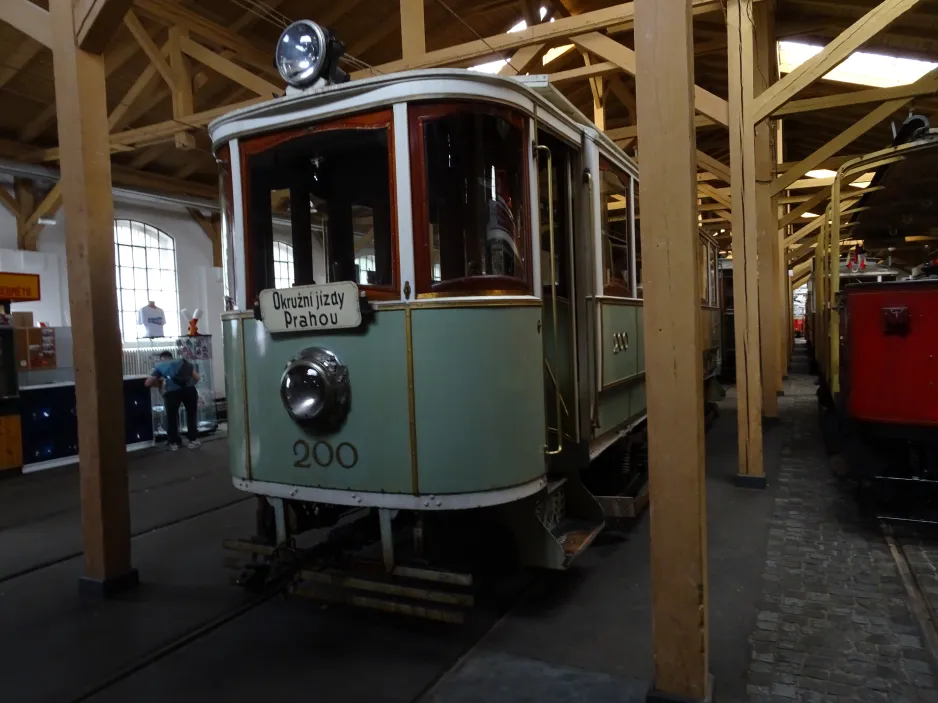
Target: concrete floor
x=580, y=635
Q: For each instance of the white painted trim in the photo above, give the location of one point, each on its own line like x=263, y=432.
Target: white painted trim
x=238, y=286
x=535, y=208
x=395, y=501
x=603, y=442
x=633, y=265
x=405, y=209
x=482, y=300
x=283, y=113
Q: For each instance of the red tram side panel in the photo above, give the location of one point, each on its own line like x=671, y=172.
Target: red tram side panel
x=889, y=352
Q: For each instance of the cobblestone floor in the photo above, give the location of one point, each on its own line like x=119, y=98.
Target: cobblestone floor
x=833, y=625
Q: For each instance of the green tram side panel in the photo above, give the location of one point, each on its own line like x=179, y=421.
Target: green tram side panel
x=561, y=362
x=625, y=401
x=479, y=397
x=377, y=426
x=235, y=398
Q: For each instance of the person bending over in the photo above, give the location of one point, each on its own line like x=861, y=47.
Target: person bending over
x=178, y=378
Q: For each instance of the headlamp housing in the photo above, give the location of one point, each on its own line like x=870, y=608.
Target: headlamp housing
x=315, y=388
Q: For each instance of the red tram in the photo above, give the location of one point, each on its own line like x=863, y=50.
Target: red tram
x=875, y=341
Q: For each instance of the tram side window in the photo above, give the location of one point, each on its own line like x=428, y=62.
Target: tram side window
x=614, y=206
x=327, y=193
x=470, y=198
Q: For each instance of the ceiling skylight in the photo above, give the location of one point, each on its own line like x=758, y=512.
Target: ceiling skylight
x=862, y=68
x=496, y=66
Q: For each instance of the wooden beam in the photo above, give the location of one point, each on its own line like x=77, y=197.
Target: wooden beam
x=113, y=60
x=89, y=248
x=673, y=354
x=817, y=199
x=413, y=34
x=229, y=69
x=28, y=18
x=9, y=201
x=616, y=87
x=843, y=139
x=740, y=50
x=857, y=97
x=150, y=49
x=25, y=192
x=212, y=228
x=631, y=132
x=766, y=216
x=711, y=192
x=182, y=80
x=575, y=74
x=131, y=139
x=173, y=15
x=833, y=54
x=616, y=18
x=117, y=118
x=47, y=206
x=714, y=166
x=609, y=49
x=15, y=62
x=522, y=60
x=96, y=21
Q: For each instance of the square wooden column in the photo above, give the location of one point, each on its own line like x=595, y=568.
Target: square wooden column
x=741, y=60
x=89, y=245
x=664, y=49
x=766, y=215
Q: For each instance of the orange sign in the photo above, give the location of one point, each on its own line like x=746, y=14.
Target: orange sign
x=19, y=287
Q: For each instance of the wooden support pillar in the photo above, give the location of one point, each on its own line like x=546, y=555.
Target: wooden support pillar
x=673, y=356
x=25, y=192
x=89, y=245
x=766, y=216
x=741, y=55
x=413, y=33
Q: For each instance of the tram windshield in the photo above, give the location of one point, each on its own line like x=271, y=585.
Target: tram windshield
x=325, y=192
x=471, y=228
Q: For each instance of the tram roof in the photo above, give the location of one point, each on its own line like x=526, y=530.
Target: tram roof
x=533, y=94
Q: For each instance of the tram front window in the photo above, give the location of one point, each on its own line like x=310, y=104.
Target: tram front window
x=327, y=193
x=471, y=229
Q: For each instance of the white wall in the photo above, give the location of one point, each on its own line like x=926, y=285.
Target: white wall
x=198, y=283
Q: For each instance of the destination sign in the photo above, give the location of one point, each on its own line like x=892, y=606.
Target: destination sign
x=332, y=306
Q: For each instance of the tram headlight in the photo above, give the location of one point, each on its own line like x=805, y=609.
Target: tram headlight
x=315, y=387
x=301, y=53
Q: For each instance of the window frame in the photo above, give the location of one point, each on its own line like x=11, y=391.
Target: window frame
x=380, y=119
x=175, y=311
x=287, y=251
x=614, y=289
x=417, y=115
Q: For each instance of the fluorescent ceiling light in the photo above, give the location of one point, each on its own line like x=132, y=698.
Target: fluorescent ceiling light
x=821, y=173
x=862, y=68
x=810, y=214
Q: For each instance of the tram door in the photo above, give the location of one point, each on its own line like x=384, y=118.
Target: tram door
x=560, y=354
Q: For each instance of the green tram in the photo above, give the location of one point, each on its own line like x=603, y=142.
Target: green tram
x=459, y=331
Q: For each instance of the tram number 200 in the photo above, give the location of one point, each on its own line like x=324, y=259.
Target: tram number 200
x=323, y=454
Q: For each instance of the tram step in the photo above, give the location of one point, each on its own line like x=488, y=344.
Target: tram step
x=574, y=536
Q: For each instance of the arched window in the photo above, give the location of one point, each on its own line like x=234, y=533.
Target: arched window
x=146, y=270
x=283, y=265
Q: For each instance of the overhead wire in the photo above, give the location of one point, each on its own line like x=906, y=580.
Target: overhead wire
x=472, y=29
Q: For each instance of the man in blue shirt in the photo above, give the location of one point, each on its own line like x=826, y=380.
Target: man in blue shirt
x=167, y=372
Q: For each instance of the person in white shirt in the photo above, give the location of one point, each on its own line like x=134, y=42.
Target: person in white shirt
x=152, y=319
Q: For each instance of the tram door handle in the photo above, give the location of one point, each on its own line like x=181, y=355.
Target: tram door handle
x=553, y=294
